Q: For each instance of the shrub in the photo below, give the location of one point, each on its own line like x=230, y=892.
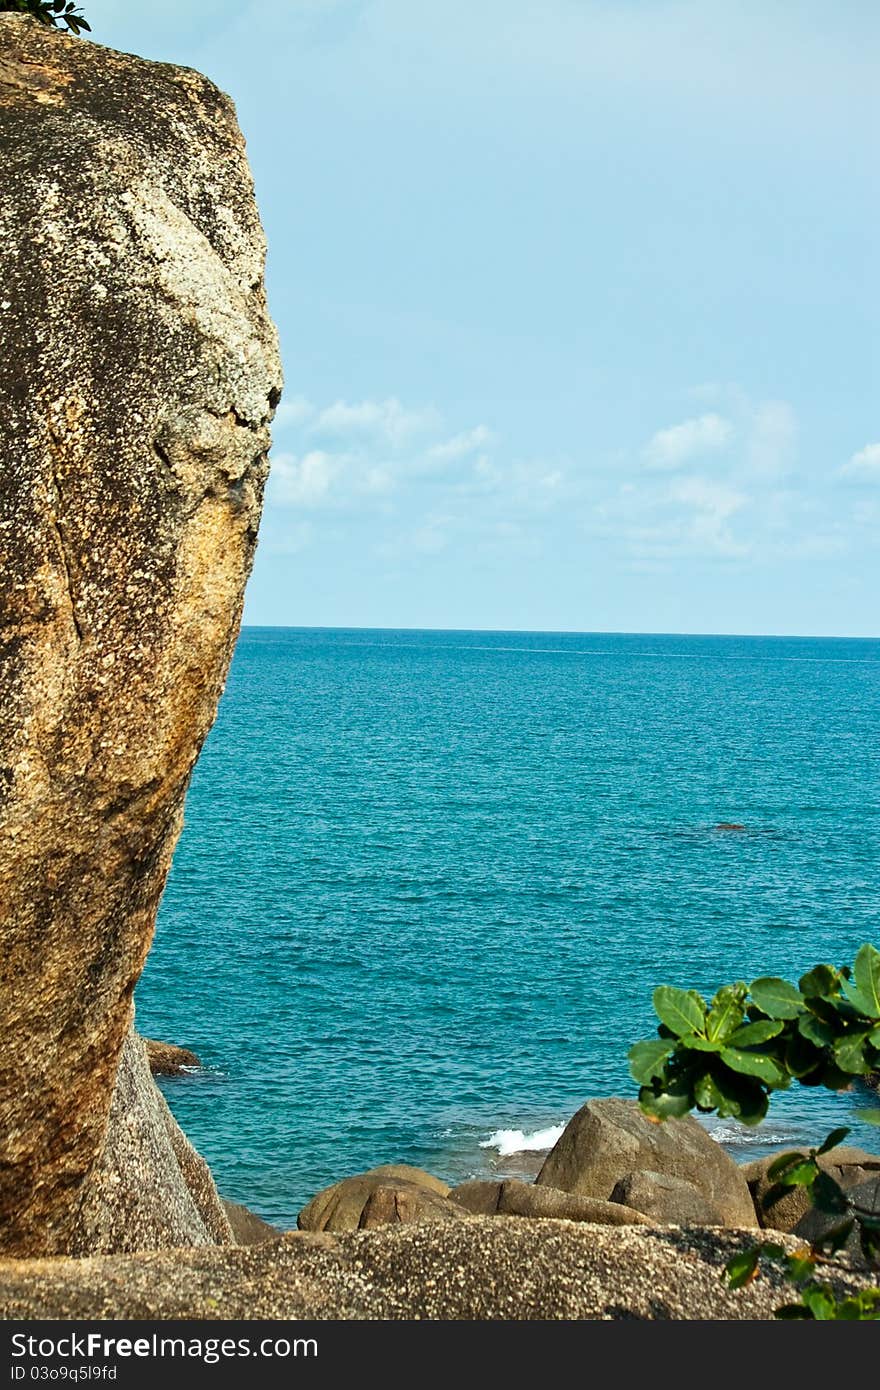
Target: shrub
x=53, y=13
x=730, y=1055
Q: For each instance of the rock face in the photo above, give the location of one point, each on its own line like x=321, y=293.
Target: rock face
x=167, y=1060
x=474, y=1269
x=393, y=1192
x=247, y=1227
x=782, y=1208
x=140, y=375
x=514, y=1198
x=666, y=1200
x=149, y=1188
x=608, y=1139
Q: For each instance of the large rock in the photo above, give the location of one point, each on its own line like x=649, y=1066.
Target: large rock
x=149, y=1189
x=342, y=1206
x=468, y=1270
x=667, y=1200
x=140, y=374
x=607, y=1139
x=782, y=1208
x=511, y=1197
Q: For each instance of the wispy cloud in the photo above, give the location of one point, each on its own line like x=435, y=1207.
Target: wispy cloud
x=676, y=446
x=387, y=421
x=864, y=466
x=460, y=445
x=306, y=481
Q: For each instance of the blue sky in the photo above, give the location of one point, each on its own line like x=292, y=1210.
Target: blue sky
x=578, y=306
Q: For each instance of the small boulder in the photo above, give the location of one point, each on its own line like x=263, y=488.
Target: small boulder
x=340, y=1206
x=782, y=1208
x=608, y=1139
x=247, y=1227
x=667, y=1200
x=167, y=1060
x=511, y=1197
x=402, y=1203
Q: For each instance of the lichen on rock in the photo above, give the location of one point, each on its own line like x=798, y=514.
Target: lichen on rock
x=140, y=376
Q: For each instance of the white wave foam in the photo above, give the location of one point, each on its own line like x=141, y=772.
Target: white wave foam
x=516, y=1141
x=733, y=1135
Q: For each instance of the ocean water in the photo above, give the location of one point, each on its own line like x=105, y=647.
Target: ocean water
x=429, y=880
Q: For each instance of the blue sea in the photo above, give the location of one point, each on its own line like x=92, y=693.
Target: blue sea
x=429, y=880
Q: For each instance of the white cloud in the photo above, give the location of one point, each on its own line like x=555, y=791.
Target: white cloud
x=292, y=412
x=673, y=447
x=712, y=505
x=462, y=444
x=772, y=439
x=306, y=481
x=864, y=465
x=386, y=421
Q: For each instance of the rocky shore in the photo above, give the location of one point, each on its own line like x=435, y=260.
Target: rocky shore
x=134, y=424
x=397, y=1242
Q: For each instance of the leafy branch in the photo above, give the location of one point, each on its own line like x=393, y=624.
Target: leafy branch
x=53, y=13
x=730, y=1055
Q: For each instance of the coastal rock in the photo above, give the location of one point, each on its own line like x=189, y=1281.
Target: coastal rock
x=607, y=1139
x=340, y=1207
x=467, y=1270
x=667, y=1200
x=149, y=1189
x=814, y=1225
x=514, y=1198
x=247, y=1227
x=167, y=1060
x=402, y=1203
x=782, y=1208
x=141, y=372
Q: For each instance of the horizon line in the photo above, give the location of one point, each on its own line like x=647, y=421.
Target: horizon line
x=560, y=632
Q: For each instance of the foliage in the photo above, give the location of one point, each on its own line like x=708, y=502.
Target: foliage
x=730, y=1055
x=817, y=1298
x=51, y=12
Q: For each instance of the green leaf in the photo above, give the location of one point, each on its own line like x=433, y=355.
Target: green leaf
x=706, y=1093
x=743, y=1267
x=849, y=1054
x=726, y=1013
x=871, y=1117
x=784, y=1161
x=646, y=1059
x=776, y=998
x=862, y=1003
x=836, y=1137
x=664, y=1105
x=800, y=1267
x=821, y=980
x=801, y=1057
x=820, y=1301
x=743, y=1098
x=814, y=1030
x=866, y=969
x=754, y=1064
x=753, y=1033
x=696, y=1043
x=681, y=1010
x=801, y=1175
